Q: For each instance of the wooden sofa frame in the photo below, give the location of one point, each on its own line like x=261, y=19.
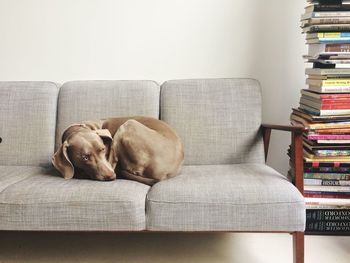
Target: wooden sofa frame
x=298, y=169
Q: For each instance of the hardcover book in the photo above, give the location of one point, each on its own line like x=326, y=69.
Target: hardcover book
x=326, y=174
x=328, y=214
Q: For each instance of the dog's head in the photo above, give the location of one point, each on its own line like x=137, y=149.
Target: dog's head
x=86, y=154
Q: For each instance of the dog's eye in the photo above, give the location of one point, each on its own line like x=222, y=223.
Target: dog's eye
x=85, y=157
x=102, y=149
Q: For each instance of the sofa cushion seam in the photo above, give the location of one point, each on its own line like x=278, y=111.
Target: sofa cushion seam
x=211, y=203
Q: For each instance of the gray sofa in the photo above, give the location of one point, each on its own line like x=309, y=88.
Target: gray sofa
x=225, y=184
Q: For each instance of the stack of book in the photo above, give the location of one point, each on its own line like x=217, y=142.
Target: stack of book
x=324, y=111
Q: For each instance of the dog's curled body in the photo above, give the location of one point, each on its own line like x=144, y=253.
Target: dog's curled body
x=147, y=150
x=139, y=148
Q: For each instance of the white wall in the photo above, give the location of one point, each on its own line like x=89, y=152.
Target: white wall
x=159, y=40
x=63, y=40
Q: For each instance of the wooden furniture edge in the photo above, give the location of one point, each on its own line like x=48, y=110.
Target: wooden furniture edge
x=298, y=168
x=296, y=149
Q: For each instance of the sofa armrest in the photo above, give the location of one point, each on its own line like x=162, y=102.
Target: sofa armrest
x=297, y=149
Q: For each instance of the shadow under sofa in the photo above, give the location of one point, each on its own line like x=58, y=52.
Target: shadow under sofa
x=225, y=184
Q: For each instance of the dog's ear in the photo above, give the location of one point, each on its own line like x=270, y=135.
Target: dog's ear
x=104, y=134
x=62, y=163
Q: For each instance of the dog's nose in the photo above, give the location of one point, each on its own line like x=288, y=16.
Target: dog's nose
x=110, y=176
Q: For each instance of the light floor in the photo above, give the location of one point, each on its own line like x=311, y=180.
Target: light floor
x=163, y=247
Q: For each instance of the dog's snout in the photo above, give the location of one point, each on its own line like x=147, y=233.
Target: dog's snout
x=106, y=172
x=110, y=178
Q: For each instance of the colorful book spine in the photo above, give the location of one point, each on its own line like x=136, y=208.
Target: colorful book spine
x=327, y=182
x=334, y=40
x=332, y=203
x=329, y=101
x=325, y=175
x=330, y=89
x=325, y=153
x=314, y=137
x=333, y=131
x=340, y=47
x=332, y=164
x=316, y=194
x=332, y=34
x=328, y=189
x=327, y=20
x=324, y=14
x=335, y=142
x=325, y=96
x=335, y=82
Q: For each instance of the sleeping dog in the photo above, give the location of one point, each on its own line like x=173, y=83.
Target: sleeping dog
x=143, y=149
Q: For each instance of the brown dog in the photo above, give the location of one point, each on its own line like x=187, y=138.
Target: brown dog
x=143, y=149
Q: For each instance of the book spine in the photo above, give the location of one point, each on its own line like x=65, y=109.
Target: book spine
x=327, y=176
x=332, y=40
x=338, y=105
x=333, y=34
x=341, y=190
x=315, y=126
x=329, y=7
x=333, y=89
x=325, y=153
x=327, y=72
x=332, y=164
x=328, y=189
x=334, y=131
x=328, y=28
x=311, y=205
x=326, y=182
x=335, y=82
x=337, y=47
x=331, y=202
x=342, y=141
x=328, y=214
x=328, y=226
x=318, y=112
x=314, y=137
x=335, y=106
x=328, y=20
x=329, y=14
x=325, y=195
x=341, y=101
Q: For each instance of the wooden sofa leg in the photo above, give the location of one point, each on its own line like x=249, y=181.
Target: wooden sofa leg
x=298, y=247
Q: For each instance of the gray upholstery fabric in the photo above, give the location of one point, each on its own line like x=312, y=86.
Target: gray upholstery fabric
x=217, y=119
x=10, y=175
x=48, y=202
x=27, y=122
x=93, y=100
x=239, y=197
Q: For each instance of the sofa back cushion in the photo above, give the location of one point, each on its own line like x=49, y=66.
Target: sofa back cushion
x=93, y=100
x=27, y=122
x=217, y=119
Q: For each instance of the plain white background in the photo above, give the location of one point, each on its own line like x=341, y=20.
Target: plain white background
x=63, y=40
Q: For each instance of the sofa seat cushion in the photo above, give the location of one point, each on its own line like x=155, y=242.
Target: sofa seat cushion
x=10, y=175
x=45, y=201
x=239, y=197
